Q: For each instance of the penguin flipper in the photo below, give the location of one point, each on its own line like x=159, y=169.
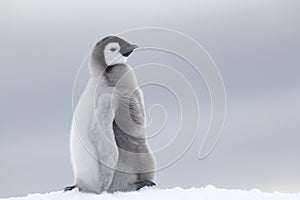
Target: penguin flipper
x=144, y=183
x=69, y=188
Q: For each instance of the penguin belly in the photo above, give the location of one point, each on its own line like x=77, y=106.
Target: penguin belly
x=86, y=167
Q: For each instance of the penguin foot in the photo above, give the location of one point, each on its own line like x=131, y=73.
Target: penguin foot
x=145, y=183
x=69, y=188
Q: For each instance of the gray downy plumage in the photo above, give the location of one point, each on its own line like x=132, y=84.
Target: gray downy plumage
x=109, y=150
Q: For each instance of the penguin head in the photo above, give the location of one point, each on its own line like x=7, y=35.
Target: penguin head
x=112, y=50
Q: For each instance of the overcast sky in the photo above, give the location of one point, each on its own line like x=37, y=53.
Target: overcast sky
x=255, y=44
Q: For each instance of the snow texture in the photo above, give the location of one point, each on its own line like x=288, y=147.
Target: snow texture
x=206, y=193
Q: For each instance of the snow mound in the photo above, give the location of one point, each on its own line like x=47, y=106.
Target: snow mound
x=206, y=193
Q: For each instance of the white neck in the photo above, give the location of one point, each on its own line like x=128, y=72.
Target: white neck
x=94, y=68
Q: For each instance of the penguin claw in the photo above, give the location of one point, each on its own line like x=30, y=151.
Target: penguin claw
x=69, y=188
x=145, y=183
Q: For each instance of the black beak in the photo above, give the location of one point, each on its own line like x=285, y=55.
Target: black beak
x=129, y=50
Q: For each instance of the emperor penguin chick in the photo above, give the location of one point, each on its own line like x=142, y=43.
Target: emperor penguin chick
x=109, y=150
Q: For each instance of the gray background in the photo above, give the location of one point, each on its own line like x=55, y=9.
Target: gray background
x=255, y=44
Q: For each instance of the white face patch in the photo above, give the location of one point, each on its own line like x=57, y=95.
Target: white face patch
x=112, y=54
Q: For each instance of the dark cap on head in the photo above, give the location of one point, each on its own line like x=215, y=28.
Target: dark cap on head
x=98, y=51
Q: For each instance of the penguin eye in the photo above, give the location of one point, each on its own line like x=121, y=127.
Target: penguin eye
x=113, y=49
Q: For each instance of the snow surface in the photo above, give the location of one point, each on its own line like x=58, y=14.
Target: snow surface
x=206, y=193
